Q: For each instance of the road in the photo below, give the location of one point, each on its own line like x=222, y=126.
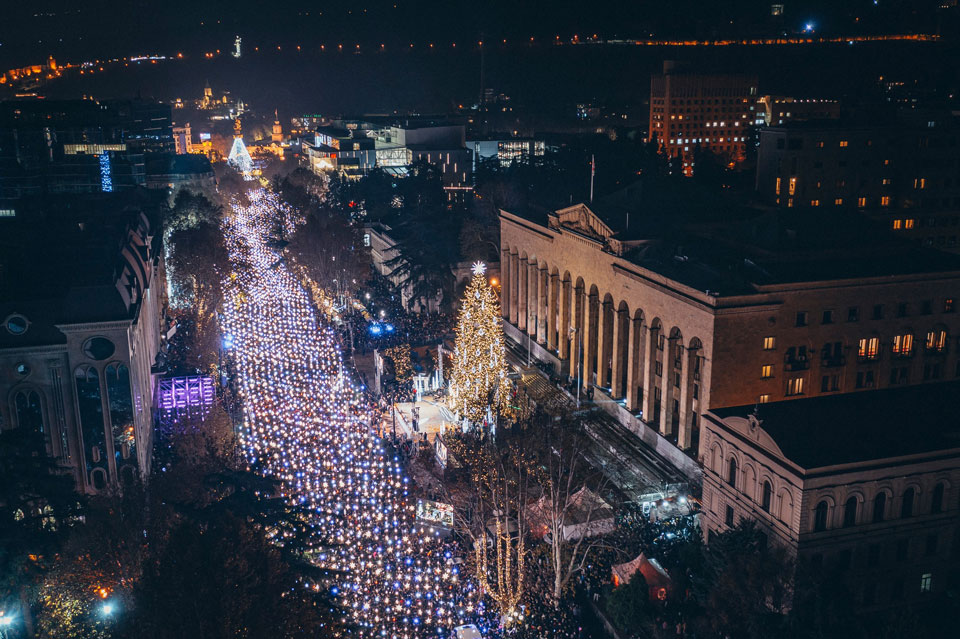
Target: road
x=303, y=424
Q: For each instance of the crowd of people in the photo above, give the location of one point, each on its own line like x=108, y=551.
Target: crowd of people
x=541, y=616
x=384, y=322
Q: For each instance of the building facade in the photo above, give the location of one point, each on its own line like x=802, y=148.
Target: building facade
x=76, y=356
x=849, y=489
x=671, y=331
x=903, y=174
x=713, y=112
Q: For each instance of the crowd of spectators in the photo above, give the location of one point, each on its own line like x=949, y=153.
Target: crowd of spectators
x=384, y=322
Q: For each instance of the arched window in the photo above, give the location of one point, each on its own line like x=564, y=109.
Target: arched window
x=850, y=513
x=936, y=341
x=29, y=412
x=906, y=506
x=767, y=496
x=87, y=381
x=820, y=517
x=879, y=505
x=936, y=503
x=99, y=477
x=732, y=472
x=121, y=410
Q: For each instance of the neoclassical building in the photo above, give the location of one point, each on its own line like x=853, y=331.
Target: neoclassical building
x=672, y=315
x=849, y=484
x=80, y=300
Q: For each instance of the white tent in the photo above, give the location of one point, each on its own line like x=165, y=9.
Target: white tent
x=585, y=515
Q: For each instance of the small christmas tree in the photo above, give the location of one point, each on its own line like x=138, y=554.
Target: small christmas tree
x=479, y=376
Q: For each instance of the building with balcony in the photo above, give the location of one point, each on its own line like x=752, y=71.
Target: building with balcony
x=902, y=172
x=851, y=485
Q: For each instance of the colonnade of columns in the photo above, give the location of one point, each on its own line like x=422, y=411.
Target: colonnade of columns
x=600, y=343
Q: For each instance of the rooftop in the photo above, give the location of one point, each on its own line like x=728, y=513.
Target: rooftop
x=713, y=243
x=860, y=427
x=60, y=262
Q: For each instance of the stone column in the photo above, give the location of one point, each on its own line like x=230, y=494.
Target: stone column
x=514, y=289
x=603, y=344
x=505, y=284
x=522, y=278
x=543, y=285
x=589, y=328
x=634, y=361
x=552, y=290
x=533, y=296
x=616, y=363
x=649, y=375
x=669, y=390
x=564, y=332
x=686, y=381
x=576, y=338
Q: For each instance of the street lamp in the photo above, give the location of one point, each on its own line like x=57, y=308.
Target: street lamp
x=574, y=331
x=6, y=621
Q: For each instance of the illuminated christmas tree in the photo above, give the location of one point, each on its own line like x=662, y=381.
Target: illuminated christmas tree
x=479, y=378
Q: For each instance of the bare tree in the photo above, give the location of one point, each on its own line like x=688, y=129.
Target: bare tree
x=571, y=509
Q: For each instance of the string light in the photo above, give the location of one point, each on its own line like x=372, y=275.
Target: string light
x=304, y=424
x=479, y=380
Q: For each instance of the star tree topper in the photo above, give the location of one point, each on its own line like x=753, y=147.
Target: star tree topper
x=479, y=268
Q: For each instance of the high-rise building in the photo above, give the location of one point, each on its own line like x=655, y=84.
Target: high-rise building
x=182, y=139
x=712, y=112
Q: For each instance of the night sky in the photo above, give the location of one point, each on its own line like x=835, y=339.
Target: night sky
x=75, y=30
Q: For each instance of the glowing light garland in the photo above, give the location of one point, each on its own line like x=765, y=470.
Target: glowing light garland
x=304, y=424
x=479, y=376
x=106, y=173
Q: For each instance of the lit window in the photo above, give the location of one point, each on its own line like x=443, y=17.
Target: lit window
x=887, y=181
x=763, y=399
x=814, y=202
x=838, y=201
x=885, y=200
x=769, y=343
x=869, y=348
x=936, y=341
x=861, y=202
x=766, y=372
x=897, y=224
x=777, y=188
x=926, y=582
x=844, y=144
x=948, y=305
x=903, y=345
x=920, y=183
x=908, y=223
x=793, y=185
x=795, y=386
